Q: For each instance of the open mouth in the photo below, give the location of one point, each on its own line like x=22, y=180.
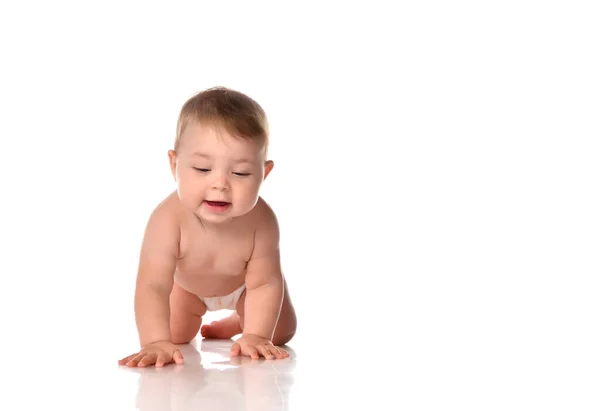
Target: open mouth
x=217, y=203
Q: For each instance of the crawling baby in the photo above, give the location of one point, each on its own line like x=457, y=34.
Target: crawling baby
x=213, y=243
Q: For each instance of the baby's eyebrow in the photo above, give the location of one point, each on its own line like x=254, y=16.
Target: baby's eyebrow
x=201, y=155
x=236, y=160
x=244, y=160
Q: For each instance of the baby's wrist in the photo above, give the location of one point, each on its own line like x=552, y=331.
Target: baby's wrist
x=255, y=334
x=155, y=342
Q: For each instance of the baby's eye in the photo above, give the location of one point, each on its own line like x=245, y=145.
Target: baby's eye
x=202, y=170
x=242, y=174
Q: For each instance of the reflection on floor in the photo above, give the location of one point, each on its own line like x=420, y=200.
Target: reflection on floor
x=211, y=380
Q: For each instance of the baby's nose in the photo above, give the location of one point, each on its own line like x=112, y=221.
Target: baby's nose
x=221, y=181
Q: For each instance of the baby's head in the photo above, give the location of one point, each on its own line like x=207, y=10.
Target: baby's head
x=229, y=110
x=219, y=160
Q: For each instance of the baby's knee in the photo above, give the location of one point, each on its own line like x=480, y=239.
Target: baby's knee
x=180, y=340
x=283, y=339
x=182, y=332
x=285, y=331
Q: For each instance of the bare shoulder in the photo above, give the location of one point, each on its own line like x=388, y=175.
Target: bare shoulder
x=167, y=210
x=165, y=219
x=266, y=225
x=264, y=217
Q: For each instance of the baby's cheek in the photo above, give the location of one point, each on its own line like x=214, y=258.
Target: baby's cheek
x=252, y=200
x=189, y=195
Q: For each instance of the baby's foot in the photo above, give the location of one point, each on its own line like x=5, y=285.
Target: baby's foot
x=224, y=328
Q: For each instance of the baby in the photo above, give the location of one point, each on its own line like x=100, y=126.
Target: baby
x=213, y=243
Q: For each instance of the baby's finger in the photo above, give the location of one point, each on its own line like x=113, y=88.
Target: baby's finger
x=162, y=359
x=127, y=359
x=134, y=361
x=235, y=350
x=265, y=352
x=147, y=360
x=252, y=352
x=178, y=357
x=276, y=352
x=282, y=351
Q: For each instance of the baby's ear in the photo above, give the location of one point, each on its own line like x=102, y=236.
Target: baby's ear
x=268, y=167
x=172, y=161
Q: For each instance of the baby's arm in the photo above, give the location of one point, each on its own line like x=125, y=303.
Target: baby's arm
x=264, y=292
x=153, y=287
x=155, y=276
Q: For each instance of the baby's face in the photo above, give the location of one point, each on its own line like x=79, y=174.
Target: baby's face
x=218, y=176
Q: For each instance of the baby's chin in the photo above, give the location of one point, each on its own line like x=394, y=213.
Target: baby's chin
x=216, y=218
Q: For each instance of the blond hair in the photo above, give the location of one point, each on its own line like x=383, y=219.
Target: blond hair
x=237, y=113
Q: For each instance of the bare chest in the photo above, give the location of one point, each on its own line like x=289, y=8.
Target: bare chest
x=216, y=256
x=213, y=264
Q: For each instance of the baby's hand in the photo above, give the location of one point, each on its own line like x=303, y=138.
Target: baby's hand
x=159, y=353
x=254, y=346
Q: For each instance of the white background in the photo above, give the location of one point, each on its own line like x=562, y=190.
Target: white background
x=436, y=180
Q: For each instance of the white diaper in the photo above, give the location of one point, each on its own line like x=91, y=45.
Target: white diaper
x=227, y=302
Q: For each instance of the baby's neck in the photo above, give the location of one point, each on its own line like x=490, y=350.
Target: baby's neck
x=215, y=228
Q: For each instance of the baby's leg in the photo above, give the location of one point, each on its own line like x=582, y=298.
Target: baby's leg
x=186, y=315
x=233, y=324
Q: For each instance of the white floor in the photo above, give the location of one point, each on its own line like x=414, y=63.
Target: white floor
x=64, y=363
x=74, y=366
x=210, y=379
